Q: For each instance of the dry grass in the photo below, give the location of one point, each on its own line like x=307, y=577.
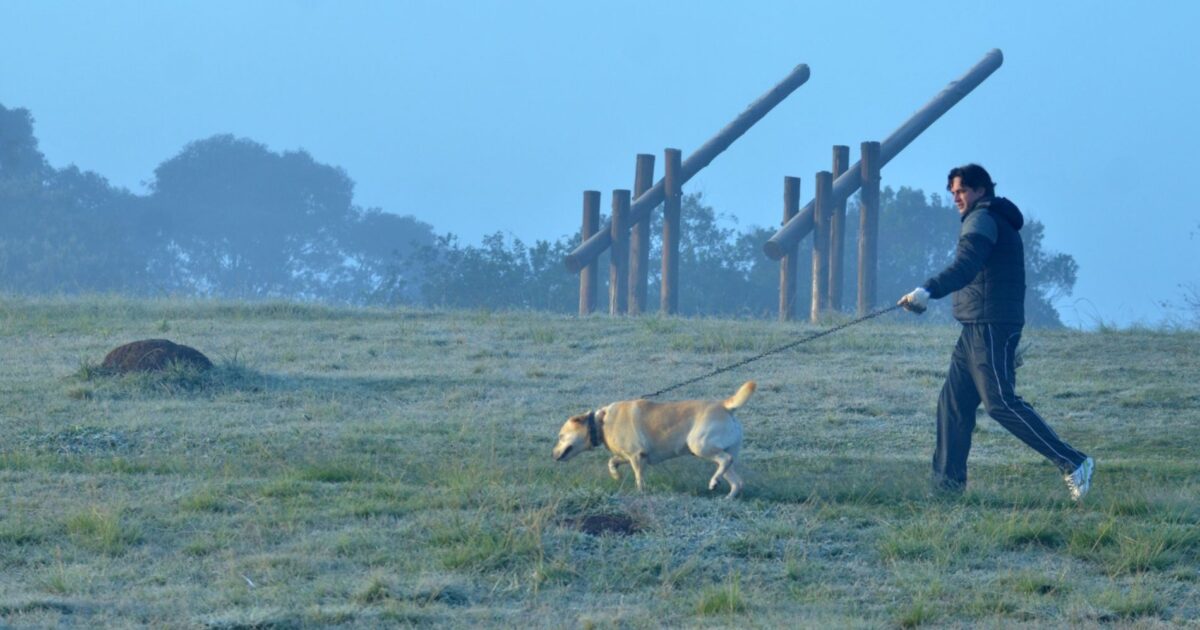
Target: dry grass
x=365, y=468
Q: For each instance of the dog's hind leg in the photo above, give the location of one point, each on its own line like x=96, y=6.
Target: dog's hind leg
x=735, y=482
x=723, y=460
x=613, y=463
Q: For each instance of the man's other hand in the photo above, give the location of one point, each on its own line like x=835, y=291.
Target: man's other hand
x=915, y=301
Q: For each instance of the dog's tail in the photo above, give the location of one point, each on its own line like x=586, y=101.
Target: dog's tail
x=740, y=398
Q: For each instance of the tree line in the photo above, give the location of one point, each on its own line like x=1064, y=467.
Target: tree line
x=227, y=217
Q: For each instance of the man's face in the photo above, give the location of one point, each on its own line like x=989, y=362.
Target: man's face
x=964, y=197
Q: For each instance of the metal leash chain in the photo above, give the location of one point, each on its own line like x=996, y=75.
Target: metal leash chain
x=776, y=350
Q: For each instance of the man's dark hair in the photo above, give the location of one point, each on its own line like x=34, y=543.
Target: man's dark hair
x=973, y=176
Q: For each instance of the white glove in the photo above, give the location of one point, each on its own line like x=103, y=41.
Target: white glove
x=915, y=301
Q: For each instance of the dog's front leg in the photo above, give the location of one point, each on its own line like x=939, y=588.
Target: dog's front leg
x=613, y=463
x=637, y=462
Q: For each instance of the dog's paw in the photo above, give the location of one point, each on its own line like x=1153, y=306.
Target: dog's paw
x=712, y=485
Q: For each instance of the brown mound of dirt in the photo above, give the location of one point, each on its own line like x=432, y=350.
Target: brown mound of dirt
x=600, y=524
x=149, y=355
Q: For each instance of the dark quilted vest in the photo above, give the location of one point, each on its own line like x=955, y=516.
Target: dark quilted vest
x=997, y=294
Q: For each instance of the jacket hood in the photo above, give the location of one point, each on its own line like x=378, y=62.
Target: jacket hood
x=1003, y=208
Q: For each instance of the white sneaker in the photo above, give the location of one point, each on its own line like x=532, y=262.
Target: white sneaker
x=1080, y=481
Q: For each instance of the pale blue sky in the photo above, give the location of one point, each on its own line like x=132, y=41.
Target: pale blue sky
x=479, y=117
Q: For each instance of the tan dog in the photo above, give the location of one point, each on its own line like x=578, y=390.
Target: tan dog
x=642, y=432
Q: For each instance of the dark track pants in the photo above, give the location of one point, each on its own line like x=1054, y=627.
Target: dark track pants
x=983, y=369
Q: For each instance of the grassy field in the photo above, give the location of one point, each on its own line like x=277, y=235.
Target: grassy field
x=389, y=467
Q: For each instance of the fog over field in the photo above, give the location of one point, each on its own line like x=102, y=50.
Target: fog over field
x=483, y=117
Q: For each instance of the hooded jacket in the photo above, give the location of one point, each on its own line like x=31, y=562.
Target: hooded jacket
x=987, y=276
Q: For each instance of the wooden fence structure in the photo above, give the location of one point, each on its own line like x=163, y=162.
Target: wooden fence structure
x=676, y=174
x=627, y=234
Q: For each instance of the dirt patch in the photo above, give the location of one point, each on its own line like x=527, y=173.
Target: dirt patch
x=149, y=355
x=601, y=524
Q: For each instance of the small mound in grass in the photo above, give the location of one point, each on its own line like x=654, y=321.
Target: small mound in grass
x=150, y=355
x=601, y=524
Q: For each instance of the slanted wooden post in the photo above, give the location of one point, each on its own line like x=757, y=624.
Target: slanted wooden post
x=787, y=265
x=845, y=186
x=639, y=238
x=696, y=162
x=868, y=228
x=588, y=277
x=618, y=268
x=837, y=231
x=822, y=209
x=672, y=202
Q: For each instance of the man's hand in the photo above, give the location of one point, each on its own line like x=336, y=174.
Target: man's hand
x=915, y=301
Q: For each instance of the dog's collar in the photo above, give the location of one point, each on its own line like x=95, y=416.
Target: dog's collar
x=595, y=438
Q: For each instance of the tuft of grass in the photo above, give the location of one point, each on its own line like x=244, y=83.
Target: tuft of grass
x=88, y=370
x=918, y=612
x=374, y=592
x=337, y=472
x=724, y=599
x=1023, y=528
x=941, y=541
x=711, y=340
x=205, y=500
x=103, y=530
x=1033, y=583
x=754, y=545
x=483, y=544
x=20, y=533
x=543, y=336
x=1131, y=603
x=81, y=393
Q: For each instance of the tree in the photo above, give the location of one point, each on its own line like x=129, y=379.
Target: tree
x=498, y=274
x=64, y=231
x=238, y=220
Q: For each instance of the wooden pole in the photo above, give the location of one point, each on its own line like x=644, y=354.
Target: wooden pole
x=588, y=276
x=787, y=265
x=639, y=239
x=618, y=268
x=849, y=182
x=820, y=254
x=837, y=231
x=695, y=162
x=868, y=228
x=669, y=290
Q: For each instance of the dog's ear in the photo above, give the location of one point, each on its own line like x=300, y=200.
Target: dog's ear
x=580, y=419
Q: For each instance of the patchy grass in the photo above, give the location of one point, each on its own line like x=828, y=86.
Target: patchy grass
x=381, y=468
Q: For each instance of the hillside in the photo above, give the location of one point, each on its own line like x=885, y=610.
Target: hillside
x=376, y=467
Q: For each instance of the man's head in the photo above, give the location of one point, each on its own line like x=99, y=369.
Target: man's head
x=967, y=184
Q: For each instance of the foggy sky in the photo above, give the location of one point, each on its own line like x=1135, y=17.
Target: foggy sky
x=479, y=117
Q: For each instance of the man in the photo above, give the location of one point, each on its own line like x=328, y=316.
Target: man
x=987, y=279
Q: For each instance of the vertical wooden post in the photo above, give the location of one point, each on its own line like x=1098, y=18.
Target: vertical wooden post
x=588, y=277
x=822, y=209
x=868, y=227
x=787, y=266
x=618, y=268
x=672, y=181
x=837, y=231
x=639, y=238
